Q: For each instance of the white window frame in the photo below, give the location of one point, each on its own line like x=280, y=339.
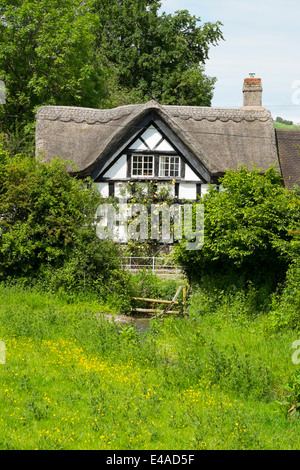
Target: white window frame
x=162, y=159
x=143, y=156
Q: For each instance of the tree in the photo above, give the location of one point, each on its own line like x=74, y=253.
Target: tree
x=283, y=121
x=44, y=213
x=47, y=56
x=248, y=228
x=54, y=52
x=98, y=54
x=156, y=56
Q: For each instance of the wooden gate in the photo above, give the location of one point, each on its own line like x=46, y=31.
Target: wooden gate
x=170, y=303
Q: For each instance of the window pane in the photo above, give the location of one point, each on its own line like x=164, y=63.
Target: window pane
x=142, y=165
x=169, y=167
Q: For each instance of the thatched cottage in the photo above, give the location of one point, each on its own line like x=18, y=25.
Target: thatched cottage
x=192, y=145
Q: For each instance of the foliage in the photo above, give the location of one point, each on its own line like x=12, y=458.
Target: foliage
x=284, y=121
x=92, y=269
x=4, y=154
x=286, y=304
x=98, y=54
x=47, y=57
x=51, y=53
x=248, y=228
x=42, y=208
x=47, y=54
x=279, y=125
x=146, y=285
x=147, y=194
x=47, y=231
x=156, y=55
x=292, y=398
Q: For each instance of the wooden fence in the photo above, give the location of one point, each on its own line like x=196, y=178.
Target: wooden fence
x=170, y=303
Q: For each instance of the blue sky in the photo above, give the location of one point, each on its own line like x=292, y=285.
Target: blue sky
x=261, y=37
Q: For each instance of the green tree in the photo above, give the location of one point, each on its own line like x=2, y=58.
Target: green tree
x=98, y=54
x=248, y=229
x=154, y=55
x=284, y=121
x=47, y=56
x=46, y=218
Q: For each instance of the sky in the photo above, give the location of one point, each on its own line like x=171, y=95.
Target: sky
x=261, y=37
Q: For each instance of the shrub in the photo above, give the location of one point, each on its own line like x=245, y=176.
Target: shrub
x=286, y=304
x=42, y=208
x=47, y=232
x=247, y=229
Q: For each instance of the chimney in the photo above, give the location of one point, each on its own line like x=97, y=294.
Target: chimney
x=252, y=92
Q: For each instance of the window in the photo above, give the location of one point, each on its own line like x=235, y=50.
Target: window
x=169, y=166
x=142, y=165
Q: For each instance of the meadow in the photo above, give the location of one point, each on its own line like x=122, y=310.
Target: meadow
x=280, y=125
x=218, y=379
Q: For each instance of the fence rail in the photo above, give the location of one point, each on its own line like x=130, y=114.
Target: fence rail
x=157, y=265
x=170, y=303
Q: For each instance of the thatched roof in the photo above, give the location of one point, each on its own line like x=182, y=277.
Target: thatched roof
x=219, y=138
x=288, y=142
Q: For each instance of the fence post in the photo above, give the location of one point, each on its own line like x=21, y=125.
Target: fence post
x=153, y=264
x=184, y=295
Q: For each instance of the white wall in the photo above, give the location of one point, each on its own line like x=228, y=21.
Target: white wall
x=190, y=175
x=165, y=146
x=102, y=188
x=152, y=137
x=204, y=189
x=138, y=145
x=118, y=170
x=187, y=191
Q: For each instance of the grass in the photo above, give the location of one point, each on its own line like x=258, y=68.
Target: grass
x=280, y=125
x=72, y=380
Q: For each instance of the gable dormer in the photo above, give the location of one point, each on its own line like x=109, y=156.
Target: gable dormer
x=151, y=155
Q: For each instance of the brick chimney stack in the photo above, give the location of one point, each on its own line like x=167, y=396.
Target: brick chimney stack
x=252, y=92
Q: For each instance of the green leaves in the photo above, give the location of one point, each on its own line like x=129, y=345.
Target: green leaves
x=248, y=227
x=99, y=54
x=42, y=209
x=47, y=55
x=47, y=232
x=157, y=56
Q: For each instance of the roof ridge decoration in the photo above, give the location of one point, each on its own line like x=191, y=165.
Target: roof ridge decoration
x=212, y=114
x=77, y=114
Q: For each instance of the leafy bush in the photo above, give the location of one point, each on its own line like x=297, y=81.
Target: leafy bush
x=248, y=229
x=235, y=301
x=145, y=284
x=42, y=208
x=286, y=304
x=292, y=396
x=47, y=233
x=284, y=121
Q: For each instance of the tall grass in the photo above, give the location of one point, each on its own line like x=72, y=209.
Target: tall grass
x=73, y=380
